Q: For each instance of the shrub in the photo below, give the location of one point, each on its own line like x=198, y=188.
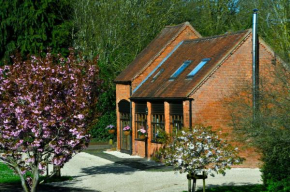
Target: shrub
x=279, y=186
x=198, y=150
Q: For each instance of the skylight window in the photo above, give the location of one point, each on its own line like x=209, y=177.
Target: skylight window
x=157, y=75
x=198, y=67
x=180, y=70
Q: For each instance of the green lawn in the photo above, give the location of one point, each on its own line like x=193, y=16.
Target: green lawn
x=7, y=175
x=243, y=188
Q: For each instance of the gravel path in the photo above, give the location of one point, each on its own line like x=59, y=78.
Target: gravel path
x=92, y=173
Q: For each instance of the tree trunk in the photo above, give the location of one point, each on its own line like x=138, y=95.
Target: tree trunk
x=194, y=185
x=56, y=170
x=35, y=179
x=24, y=185
x=189, y=185
x=23, y=182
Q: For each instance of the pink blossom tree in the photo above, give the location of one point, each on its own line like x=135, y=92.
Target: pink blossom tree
x=45, y=105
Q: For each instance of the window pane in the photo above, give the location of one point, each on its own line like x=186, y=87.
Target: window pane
x=198, y=67
x=180, y=70
x=140, y=122
x=176, y=123
x=157, y=126
x=157, y=75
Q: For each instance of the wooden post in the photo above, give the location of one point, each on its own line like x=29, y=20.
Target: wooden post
x=194, y=185
x=194, y=177
x=189, y=183
x=56, y=169
x=203, y=174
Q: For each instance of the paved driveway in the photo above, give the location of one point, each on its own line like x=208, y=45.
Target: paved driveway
x=117, y=172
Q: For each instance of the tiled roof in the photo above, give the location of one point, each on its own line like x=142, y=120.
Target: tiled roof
x=216, y=48
x=148, y=54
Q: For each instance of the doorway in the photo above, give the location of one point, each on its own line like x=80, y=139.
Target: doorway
x=125, y=140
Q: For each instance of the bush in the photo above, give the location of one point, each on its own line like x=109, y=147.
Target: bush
x=98, y=130
x=269, y=131
x=198, y=150
x=276, y=165
x=279, y=186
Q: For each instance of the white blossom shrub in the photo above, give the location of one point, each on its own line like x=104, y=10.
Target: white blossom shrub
x=198, y=150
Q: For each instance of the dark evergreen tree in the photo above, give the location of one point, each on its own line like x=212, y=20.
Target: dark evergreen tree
x=31, y=26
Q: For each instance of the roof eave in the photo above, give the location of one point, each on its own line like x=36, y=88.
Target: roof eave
x=159, y=98
x=123, y=82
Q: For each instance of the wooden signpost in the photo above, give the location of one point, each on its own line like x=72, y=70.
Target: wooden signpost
x=194, y=177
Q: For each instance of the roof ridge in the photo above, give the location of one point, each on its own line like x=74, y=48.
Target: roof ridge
x=217, y=36
x=171, y=26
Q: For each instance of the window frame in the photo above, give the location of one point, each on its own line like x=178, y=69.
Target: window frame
x=198, y=67
x=157, y=120
x=176, y=117
x=157, y=75
x=180, y=69
x=140, y=120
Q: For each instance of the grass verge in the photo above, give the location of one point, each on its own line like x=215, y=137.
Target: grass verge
x=242, y=188
x=8, y=176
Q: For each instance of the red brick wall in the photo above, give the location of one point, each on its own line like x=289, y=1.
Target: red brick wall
x=186, y=114
x=134, y=145
x=209, y=106
x=167, y=117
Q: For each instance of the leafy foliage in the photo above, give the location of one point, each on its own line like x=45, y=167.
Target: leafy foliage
x=273, y=21
x=162, y=136
x=270, y=131
x=45, y=108
x=279, y=186
x=30, y=26
x=200, y=150
x=118, y=31
x=243, y=188
x=98, y=130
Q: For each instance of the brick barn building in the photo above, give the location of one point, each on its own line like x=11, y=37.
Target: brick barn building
x=182, y=79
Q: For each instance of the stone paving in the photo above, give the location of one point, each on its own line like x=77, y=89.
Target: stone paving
x=97, y=170
x=112, y=171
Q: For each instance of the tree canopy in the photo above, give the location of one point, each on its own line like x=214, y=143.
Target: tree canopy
x=32, y=26
x=44, y=108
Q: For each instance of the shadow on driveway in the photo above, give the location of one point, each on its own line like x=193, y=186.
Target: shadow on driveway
x=15, y=187
x=110, y=168
x=135, y=163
